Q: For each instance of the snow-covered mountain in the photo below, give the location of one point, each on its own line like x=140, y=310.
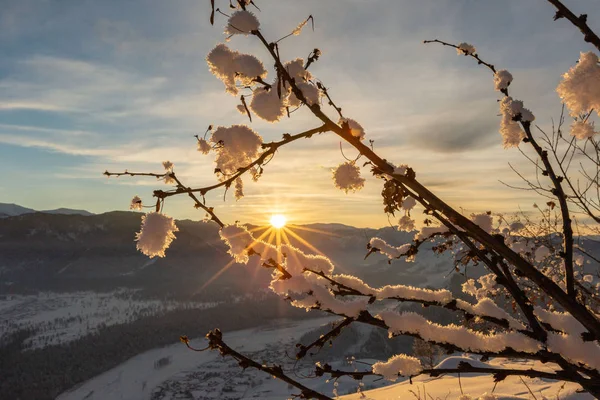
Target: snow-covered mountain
x=40, y=251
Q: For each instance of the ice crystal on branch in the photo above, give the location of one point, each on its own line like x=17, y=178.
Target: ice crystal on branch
x=387, y=249
x=487, y=286
x=408, y=203
x=238, y=145
x=295, y=69
x=300, y=26
x=582, y=130
x=232, y=66
x=412, y=323
x=406, y=224
x=347, y=177
x=203, y=146
x=400, y=364
x=168, y=165
x=428, y=231
x=356, y=129
x=311, y=94
x=466, y=49
x=502, y=79
x=239, y=188
x=136, y=203
x=240, y=241
x=168, y=178
x=242, y=22
x=156, y=234
x=400, y=169
x=267, y=104
x=510, y=129
x=580, y=87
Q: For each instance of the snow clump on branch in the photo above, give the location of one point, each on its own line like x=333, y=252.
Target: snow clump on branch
x=267, y=104
x=582, y=130
x=509, y=128
x=466, y=49
x=502, y=79
x=311, y=94
x=406, y=223
x=459, y=336
x=156, y=234
x=356, y=129
x=427, y=231
x=347, y=177
x=232, y=66
x=237, y=146
x=580, y=87
x=400, y=364
x=296, y=70
x=136, y=203
x=203, y=146
x=409, y=203
x=387, y=249
x=242, y=22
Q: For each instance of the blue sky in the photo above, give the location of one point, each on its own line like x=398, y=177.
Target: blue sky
x=87, y=86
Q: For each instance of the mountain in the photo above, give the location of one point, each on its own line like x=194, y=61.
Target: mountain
x=12, y=210
x=41, y=252
x=67, y=211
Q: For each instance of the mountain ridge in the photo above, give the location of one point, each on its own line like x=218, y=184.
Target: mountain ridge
x=14, y=210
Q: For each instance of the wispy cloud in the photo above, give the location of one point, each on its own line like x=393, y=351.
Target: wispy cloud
x=110, y=89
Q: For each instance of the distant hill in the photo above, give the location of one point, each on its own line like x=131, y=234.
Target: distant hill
x=49, y=251
x=13, y=210
x=67, y=211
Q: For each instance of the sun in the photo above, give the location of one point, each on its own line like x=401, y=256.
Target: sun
x=278, y=221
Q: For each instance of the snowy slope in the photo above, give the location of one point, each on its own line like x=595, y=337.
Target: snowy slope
x=174, y=372
x=476, y=385
x=59, y=318
x=137, y=378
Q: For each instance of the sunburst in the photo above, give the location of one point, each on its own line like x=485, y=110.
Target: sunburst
x=277, y=232
x=278, y=221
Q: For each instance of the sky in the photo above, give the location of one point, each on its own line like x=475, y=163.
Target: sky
x=88, y=86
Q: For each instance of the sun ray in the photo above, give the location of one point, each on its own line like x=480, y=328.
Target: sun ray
x=278, y=243
x=258, y=228
x=304, y=241
x=230, y=263
x=304, y=228
x=287, y=240
x=271, y=236
x=262, y=235
x=215, y=276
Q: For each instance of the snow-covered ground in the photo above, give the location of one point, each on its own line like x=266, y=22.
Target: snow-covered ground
x=204, y=375
x=175, y=372
x=62, y=317
x=477, y=385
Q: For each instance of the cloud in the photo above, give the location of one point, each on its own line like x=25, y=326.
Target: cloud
x=455, y=134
